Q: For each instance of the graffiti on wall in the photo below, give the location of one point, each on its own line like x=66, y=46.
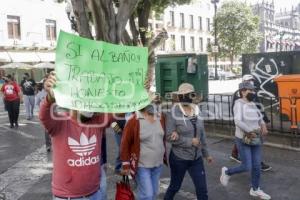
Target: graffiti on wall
x=264, y=71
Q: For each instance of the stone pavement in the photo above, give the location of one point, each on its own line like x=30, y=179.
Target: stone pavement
x=25, y=168
x=282, y=182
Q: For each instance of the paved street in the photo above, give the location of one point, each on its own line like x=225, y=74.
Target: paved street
x=25, y=168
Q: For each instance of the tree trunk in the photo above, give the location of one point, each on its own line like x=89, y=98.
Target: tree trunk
x=143, y=17
x=104, y=19
x=134, y=31
x=110, y=26
x=125, y=11
x=231, y=59
x=83, y=27
x=157, y=41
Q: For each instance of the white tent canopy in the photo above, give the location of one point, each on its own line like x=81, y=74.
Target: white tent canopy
x=24, y=57
x=27, y=56
x=16, y=65
x=44, y=65
x=46, y=56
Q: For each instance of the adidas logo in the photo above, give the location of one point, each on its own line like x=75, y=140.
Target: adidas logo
x=83, y=148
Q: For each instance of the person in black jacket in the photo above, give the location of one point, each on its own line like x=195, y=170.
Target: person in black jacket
x=234, y=153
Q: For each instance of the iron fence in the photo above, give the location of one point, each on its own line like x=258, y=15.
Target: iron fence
x=217, y=109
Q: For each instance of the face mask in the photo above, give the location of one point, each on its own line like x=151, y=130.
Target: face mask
x=250, y=96
x=186, y=98
x=150, y=109
x=85, y=116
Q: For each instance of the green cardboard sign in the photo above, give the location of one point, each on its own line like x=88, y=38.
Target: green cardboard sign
x=98, y=76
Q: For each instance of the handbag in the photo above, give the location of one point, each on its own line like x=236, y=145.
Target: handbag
x=252, y=141
x=124, y=191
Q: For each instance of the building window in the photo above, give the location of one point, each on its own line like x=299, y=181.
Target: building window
x=13, y=27
x=208, y=42
x=172, y=18
x=200, y=23
x=50, y=29
x=208, y=24
x=173, y=42
x=192, y=43
x=182, y=43
x=181, y=20
x=201, y=44
x=191, y=22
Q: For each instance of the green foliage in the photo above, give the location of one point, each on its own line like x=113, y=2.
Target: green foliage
x=237, y=29
x=160, y=5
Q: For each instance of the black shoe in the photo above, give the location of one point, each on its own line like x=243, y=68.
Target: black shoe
x=17, y=125
x=11, y=126
x=265, y=167
x=235, y=158
x=48, y=149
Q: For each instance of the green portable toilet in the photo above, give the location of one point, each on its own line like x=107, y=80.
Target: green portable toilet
x=172, y=70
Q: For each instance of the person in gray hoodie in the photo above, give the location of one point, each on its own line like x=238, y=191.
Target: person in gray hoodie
x=249, y=122
x=185, y=131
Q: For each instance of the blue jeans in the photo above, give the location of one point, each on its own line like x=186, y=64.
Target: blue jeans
x=251, y=159
x=95, y=196
x=148, y=182
x=118, y=162
x=196, y=170
x=103, y=184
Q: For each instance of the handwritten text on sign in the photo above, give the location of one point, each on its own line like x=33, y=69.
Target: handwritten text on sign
x=98, y=76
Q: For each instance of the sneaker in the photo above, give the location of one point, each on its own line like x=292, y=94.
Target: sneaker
x=259, y=193
x=235, y=158
x=265, y=167
x=224, y=177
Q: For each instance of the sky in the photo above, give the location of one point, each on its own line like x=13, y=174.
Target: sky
x=278, y=3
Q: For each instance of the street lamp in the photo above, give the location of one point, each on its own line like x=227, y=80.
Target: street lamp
x=215, y=48
x=71, y=16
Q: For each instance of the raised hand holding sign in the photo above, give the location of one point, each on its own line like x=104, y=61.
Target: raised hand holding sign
x=98, y=76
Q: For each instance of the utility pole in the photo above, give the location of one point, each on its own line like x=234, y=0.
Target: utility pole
x=215, y=49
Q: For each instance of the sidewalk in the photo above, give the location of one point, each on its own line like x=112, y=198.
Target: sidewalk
x=282, y=182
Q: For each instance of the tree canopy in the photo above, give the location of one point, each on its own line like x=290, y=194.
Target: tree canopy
x=237, y=29
x=110, y=18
